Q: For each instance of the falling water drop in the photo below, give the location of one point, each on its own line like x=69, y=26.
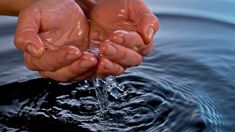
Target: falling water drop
x=105, y=87
x=101, y=94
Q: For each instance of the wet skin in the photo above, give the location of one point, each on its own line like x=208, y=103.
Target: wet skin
x=123, y=32
x=54, y=36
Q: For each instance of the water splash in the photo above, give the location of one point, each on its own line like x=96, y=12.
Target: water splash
x=105, y=87
x=101, y=94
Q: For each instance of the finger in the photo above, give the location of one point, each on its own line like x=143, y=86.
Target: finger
x=147, y=22
x=52, y=60
x=147, y=50
x=55, y=77
x=26, y=36
x=85, y=76
x=119, y=54
x=131, y=40
x=80, y=69
x=147, y=27
x=79, y=33
x=108, y=68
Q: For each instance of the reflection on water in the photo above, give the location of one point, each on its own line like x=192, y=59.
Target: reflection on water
x=185, y=85
x=144, y=105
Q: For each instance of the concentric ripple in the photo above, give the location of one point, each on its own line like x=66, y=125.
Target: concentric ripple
x=144, y=104
x=186, y=85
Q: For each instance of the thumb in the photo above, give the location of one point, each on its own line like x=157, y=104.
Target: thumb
x=147, y=22
x=26, y=36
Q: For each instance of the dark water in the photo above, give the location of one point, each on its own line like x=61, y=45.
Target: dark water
x=186, y=84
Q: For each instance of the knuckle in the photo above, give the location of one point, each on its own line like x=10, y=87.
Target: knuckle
x=28, y=63
x=156, y=23
x=18, y=41
x=147, y=50
x=138, y=60
x=29, y=66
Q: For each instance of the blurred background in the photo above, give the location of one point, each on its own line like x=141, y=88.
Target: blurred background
x=219, y=10
x=7, y=30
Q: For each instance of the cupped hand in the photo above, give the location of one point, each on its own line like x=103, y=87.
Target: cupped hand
x=124, y=31
x=54, y=37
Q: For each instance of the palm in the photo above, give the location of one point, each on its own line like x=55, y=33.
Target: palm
x=53, y=24
x=65, y=24
x=107, y=17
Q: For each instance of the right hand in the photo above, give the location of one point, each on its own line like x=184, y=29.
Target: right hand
x=124, y=32
x=54, y=36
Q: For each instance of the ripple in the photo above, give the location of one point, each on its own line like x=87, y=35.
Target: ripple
x=145, y=104
x=182, y=92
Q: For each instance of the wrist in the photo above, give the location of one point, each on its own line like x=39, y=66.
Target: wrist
x=87, y=5
x=13, y=7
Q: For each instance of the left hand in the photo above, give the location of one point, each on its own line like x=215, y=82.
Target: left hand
x=53, y=35
x=128, y=26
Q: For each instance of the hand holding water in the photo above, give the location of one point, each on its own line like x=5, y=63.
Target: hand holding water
x=123, y=30
x=54, y=35
x=55, y=38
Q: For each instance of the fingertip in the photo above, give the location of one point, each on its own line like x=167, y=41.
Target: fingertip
x=148, y=26
x=71, y=57
x=105, y=64
x=29, y=42
x=101, y=70
x=28, y=62
x=90, y=57
x=74, y=50
x=73, y=53
x=86, y=64
x=147, y=50
x=108, y=49
x=88, y=61
x=118, y=36
x=150, y=33
x=106, y=68
x=34, y=50
x=103, y=47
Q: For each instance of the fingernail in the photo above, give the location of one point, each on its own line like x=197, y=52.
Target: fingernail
x=71, y=57
x=137, y=47
x=32, y=49
x=150, y=33
x=110, y=50
x=118, y=40
x=109, y=65
x=86, y=64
